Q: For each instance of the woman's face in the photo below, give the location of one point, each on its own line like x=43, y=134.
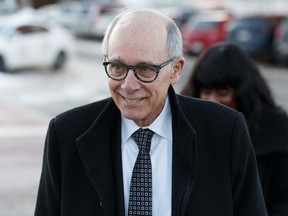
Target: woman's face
x=224, y=96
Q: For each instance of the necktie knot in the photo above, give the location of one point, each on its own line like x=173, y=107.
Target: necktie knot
x=143, y=139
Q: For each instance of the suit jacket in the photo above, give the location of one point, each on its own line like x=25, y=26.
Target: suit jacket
x=214, y=166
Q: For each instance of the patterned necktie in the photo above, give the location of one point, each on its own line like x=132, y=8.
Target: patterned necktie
x=140, y=199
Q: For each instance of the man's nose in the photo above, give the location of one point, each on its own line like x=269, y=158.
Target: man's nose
x=130, y=83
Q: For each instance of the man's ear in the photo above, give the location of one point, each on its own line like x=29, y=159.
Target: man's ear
x=177, y=69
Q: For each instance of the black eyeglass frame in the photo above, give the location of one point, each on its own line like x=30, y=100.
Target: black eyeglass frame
x=133, y=68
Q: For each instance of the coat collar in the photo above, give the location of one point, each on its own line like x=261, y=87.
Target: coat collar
x=101, y=156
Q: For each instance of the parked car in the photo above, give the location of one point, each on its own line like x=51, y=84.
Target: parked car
x=180, y=14
x=54, y=12
x=99, y=28
x=255, y=34
x=81, y=17
x=95, y=13
x=28, y=41
x=202, y=31
x=280, y=43
x=184, y=15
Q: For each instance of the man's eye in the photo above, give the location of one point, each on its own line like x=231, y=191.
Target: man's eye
x=117, y=66
x=144, y=67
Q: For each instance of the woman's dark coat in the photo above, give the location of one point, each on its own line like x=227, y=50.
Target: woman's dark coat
x=270, y=142
x=214, y=166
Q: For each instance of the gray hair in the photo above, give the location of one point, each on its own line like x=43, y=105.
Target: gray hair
x=174, y=37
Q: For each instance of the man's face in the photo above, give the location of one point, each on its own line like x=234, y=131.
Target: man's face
x=132, y=43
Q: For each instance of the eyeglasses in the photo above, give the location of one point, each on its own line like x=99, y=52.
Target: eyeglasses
x=144, y=72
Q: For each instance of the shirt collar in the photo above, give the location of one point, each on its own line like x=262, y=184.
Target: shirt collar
x=162, y=125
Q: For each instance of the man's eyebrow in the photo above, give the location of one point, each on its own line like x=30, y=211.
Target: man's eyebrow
x=119, y=61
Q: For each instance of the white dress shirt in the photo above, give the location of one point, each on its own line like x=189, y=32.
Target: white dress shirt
x=161, y=160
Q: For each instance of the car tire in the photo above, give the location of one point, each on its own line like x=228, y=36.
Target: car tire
x=59, y=61
x=2, y=65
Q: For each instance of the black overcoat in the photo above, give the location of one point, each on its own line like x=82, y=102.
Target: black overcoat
x=270, y=141
x=213, y=174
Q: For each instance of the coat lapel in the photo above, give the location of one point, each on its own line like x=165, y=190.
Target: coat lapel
x=99, y=148
x=184, y=158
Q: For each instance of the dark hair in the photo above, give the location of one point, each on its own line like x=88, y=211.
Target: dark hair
x=226, y=65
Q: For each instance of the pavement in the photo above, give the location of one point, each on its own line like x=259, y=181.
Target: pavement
x=22, y=135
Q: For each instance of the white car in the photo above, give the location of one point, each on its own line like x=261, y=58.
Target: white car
x=27, y=40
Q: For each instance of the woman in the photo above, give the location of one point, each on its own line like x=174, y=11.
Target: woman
x=227, y=75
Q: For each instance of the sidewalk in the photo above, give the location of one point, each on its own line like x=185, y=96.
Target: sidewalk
x=22, y=135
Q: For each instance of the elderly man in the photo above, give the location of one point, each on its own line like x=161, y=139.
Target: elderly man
x=146, y=150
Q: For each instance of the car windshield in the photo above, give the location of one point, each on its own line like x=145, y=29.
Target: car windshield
x=202, y=24
x=258, y=21
x=252, y=22
x=205, y=25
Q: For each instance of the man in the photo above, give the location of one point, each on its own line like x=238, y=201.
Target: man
x=201, y=156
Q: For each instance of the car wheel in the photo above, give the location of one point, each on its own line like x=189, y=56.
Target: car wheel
x=59, y=61
x=2, y=65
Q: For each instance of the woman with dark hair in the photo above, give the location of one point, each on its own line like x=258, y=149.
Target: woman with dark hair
x=226, y=74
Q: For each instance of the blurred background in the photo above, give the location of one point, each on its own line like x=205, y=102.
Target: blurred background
x=51, y=61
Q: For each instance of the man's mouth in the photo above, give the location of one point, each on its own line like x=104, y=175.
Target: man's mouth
x=133, y=100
